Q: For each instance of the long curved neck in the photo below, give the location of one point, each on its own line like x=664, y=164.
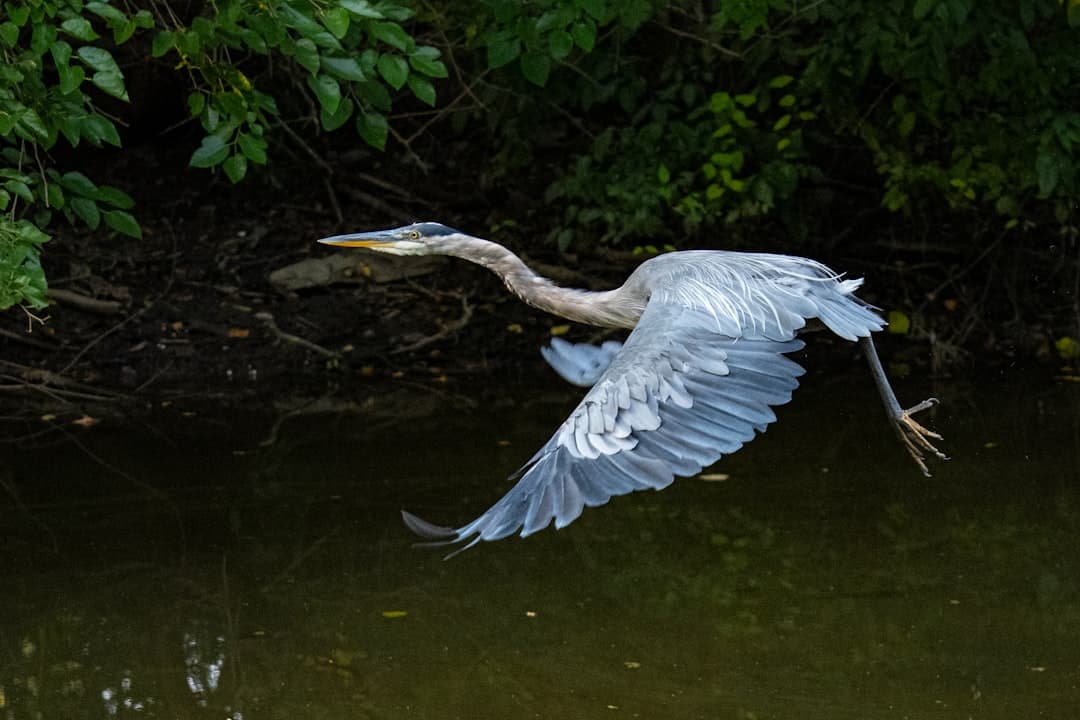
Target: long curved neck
x=610, y=308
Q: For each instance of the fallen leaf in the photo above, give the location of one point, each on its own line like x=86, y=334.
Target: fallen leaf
x=85, y=421
x=394, y=614
x=557, y=330
x=714, y=477
x=515, y=328
x=239, y=332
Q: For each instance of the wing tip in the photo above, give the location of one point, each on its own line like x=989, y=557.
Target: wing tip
x=426, y=530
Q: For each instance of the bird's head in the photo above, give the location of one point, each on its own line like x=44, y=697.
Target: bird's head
x=423, y=238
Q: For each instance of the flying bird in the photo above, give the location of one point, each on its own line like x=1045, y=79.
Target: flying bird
x=695, y=380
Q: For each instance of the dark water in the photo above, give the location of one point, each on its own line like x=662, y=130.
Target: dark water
x=175, y=569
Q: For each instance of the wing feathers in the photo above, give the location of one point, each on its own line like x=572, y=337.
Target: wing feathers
x=675, y=398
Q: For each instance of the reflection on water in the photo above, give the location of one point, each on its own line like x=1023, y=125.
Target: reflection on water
x=819, y=576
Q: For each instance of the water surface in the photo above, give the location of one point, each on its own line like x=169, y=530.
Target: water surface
x=176, y=568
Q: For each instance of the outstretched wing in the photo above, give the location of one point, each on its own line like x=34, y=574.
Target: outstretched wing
x=580, y=363
x=675, y=399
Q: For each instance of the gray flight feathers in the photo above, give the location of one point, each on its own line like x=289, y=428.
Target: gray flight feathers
x=696, y=379
x=673, y=401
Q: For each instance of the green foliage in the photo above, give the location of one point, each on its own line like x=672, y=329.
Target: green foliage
x=350, y=55
x=958, y=107
x=22, y=281
x=753, y=158
x=973, y=104
x=56, y=62
x=51, y=56
x=675, y=119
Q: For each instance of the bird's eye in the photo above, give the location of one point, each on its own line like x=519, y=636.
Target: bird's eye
x=414, y=234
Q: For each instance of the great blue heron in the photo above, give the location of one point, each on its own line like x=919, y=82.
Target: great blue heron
x=693, y=381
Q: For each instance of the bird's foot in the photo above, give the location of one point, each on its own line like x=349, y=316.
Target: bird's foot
x=916, y=437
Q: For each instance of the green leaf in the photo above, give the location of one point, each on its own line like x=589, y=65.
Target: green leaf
x=923, y=8
x=196, y=103
x=337, y=21
x=162, y=43
x=235, y=168
x=535, y=67
x=327, y=90
x=79, y=27
x=111, y=83
x=392, y=11
x=394, y=70
x=115, y=197
x=211, y=152
x=596, y=8
x=361, y=8
x=103, y=10
x=560, y=43
x=29, y=119
x=79, y=184
x=54, y=196
x=392, y=34
x=254, y=148
x=332, y=121
x=501, y=52
x=780, y=81
x=1047, y=167
x=20, y=189
x=584, y=34
x=98, y=59
x=61, y=54
x=87, y=210
x=423, y=89
x=376, y=95
x=122, y=33
x=373, y=129
x=307, y=55
x=19, y=13
x=345, y=68
x=70, y=78
x=907, y=124
x=100, y=128
x=426, y=61
x=9, y=33
x=123, y=222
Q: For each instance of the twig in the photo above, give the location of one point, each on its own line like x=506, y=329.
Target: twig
x=447, y=329
x=271, y=325
x=408, y=148
x=102, y=336
x=84, y=302
x=333, y=199
x=32, y=342
x=307, y=148
x=697, y=38
x=379, y=204
x=56, y=393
